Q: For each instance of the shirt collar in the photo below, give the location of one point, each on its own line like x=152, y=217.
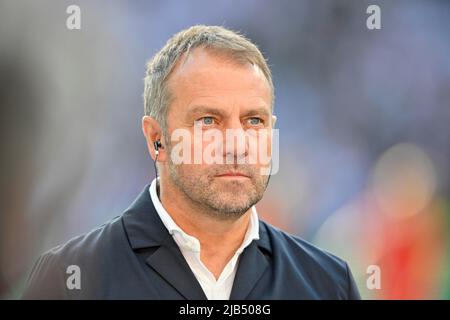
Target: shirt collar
x=189, y=242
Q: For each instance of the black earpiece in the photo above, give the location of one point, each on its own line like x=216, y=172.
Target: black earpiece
x=157, y=145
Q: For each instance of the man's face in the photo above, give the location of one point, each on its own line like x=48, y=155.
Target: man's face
x=211, y=93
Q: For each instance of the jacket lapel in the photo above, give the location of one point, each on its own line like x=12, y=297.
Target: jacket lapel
x=252, y=265
x=169, y=262
x=145, y=229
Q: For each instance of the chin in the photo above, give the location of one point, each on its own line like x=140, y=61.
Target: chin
x=234, y=204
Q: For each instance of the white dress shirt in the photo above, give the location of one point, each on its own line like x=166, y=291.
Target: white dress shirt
x=219, y=289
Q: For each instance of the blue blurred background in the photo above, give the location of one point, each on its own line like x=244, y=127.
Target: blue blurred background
x=363, y=115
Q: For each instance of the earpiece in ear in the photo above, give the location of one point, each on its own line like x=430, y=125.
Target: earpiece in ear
x=157, y=145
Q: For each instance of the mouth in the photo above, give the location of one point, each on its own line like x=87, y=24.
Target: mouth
x=233, y=175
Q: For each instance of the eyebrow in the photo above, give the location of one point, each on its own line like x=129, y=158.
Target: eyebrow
x=258, y=111
x=209, y=110
x=204, y=109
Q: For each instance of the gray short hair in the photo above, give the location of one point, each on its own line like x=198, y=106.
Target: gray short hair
x=215, y=38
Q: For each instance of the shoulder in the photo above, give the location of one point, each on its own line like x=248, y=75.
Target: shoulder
x=315, y=265
x=298, y=247
x=89, y=244
x=49, y=274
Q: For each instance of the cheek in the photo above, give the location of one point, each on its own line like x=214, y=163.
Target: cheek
x=198, y=147
x=261, y=148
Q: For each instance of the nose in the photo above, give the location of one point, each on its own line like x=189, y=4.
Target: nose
x=235, y=142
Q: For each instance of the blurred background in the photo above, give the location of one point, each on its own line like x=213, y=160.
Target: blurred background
x=363, y=115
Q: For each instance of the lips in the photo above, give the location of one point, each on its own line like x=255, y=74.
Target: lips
x=233, y=174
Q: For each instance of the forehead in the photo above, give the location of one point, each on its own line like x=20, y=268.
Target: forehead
x=203, y=73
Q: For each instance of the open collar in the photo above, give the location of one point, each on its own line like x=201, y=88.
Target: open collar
x=145, y=229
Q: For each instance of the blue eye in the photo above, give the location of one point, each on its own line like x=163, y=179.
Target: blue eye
x=208, y=120
x=255, y=121
x=205, y=121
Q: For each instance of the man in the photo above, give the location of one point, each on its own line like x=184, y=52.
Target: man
x=194, y=233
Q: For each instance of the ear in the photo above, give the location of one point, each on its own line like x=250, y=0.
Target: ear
x=152, y=132
x=274, y=119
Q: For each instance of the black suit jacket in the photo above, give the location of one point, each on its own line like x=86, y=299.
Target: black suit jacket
x=133, y=256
